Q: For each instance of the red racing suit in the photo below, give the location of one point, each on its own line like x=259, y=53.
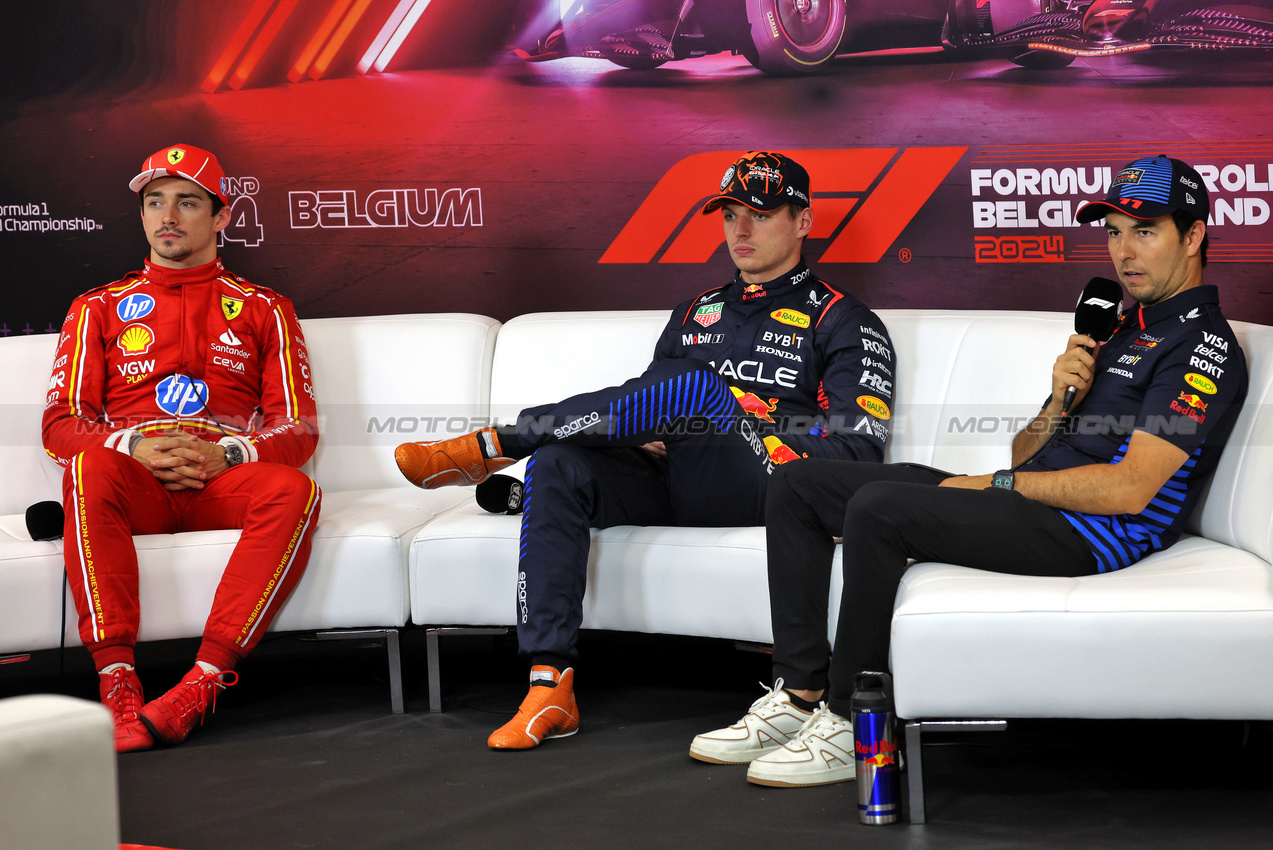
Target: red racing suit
x=203, y=352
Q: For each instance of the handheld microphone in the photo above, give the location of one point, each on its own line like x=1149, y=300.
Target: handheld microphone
x=45, y=520
x=1097, y=315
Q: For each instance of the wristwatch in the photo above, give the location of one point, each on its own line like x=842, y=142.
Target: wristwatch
x=1003, y=479
x=233, y=454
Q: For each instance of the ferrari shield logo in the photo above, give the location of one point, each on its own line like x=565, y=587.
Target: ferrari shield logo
x=175, y=156
x=232, y=307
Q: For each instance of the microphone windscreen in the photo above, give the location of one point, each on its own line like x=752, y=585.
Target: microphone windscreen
x=45, y=520
x=1100, y=309
x=500, y=494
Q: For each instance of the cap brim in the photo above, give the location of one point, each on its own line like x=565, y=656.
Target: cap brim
x=139, y=182
x=720, y=200
x=1147, y=211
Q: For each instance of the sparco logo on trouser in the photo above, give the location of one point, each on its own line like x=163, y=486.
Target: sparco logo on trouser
x=521, y=596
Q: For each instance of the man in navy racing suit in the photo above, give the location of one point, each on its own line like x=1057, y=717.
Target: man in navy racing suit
x=1093, y=488
x=772, y=367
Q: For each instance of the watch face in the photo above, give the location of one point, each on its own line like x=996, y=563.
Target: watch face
x=1002, y=480
x=233, y=455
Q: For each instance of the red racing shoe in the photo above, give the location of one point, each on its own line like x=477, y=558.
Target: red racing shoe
x=121, y=693
x=173, y=716
x=459, y=461
x=547, y=712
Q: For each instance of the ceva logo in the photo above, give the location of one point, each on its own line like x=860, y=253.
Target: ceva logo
x=863, y=197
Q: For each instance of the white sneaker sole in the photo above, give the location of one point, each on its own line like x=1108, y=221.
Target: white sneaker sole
x=740, y=757
x=807, y=780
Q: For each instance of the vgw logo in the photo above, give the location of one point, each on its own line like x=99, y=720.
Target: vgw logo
x=245, y=224
x=862, y=200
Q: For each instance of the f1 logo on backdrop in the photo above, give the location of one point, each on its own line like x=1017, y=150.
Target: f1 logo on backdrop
x=873, y=192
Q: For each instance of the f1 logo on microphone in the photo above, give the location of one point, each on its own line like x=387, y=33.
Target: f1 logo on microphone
x=1100, y=302
x=873, y=192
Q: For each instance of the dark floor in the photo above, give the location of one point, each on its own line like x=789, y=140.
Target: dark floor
x=304, y=753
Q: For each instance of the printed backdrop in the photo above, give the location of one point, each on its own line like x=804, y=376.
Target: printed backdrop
x=458, y=177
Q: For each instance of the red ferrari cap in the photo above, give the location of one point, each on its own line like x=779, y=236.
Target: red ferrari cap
x=183, y=161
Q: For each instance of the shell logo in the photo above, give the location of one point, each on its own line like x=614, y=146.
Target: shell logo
x=874, y=406
x=1201, y=384
x=136, y=339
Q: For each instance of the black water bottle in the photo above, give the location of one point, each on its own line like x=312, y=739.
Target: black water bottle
x=876, y=755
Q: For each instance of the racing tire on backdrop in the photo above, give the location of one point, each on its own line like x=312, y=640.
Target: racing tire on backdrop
x=792, y=37
x=1042, y=60
x=637, y=63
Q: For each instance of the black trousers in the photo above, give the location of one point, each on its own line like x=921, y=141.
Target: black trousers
x=887, y=514
x=587, y=471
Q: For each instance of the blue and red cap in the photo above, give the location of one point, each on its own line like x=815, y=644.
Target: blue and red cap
x=1152, y=187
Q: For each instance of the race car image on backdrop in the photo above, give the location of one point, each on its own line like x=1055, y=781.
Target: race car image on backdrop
x=1053, y=33
x=781, y=37
x=786, y=37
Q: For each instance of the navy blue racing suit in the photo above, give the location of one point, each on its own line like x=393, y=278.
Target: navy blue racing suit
x=744, y=378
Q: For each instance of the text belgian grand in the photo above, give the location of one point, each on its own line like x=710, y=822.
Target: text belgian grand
x=345, y=208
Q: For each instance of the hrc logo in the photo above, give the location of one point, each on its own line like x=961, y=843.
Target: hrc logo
x=864, y=199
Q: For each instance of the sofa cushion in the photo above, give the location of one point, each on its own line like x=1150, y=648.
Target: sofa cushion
x=1186, y=632
x=708, y=582
x=545, y=357
x=30, y=475
x=1237, y=507
x=383, y=380
x=30, y=589
x=968, y=381
x=356, y=574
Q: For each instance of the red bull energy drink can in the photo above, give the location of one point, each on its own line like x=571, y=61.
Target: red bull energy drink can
x=876, y=754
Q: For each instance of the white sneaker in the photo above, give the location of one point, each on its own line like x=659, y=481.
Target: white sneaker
x=770, y=722
x=819, y=754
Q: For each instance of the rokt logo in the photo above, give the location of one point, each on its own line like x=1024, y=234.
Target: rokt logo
x=863, y=201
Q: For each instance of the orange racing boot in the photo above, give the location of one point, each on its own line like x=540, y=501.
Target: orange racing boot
x=459, y=461
x=549, y=711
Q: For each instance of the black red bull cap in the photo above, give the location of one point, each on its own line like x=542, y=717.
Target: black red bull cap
x=763, y=181
x=1151, y=187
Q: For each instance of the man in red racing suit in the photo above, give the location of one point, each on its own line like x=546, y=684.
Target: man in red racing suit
x=181, y=399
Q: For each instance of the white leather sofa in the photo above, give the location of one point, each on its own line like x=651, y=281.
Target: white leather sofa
x=372, y=376
x=968, y=646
